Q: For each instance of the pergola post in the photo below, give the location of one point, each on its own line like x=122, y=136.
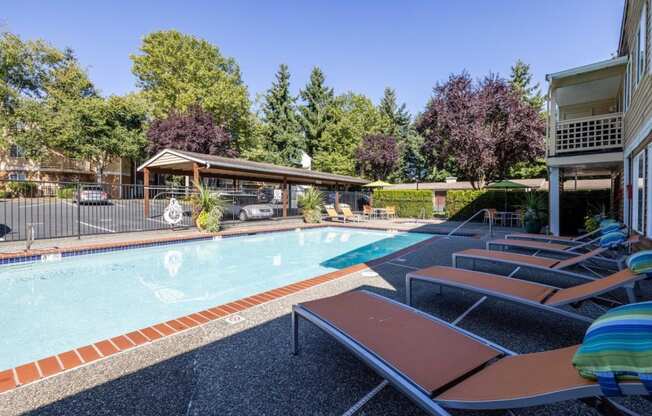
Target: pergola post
x=554, y=196
x=195, y=173
x=146, y=192
x=285, y=197
x=337, y=198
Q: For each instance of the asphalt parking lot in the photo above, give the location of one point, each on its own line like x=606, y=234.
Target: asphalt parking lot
x=56, y=217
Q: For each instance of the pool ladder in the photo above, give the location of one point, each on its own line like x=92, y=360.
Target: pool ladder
x=483, y=210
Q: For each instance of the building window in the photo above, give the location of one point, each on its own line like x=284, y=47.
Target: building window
x=641, y=45
x=639, y=197
x=16, y=151
x=17, y=176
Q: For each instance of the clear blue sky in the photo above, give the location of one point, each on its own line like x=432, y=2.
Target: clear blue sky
x=362, y=46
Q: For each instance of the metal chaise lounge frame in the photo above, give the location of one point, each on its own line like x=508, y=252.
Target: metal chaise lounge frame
x=535, y=295
x=439, y=365
x=547, y=264
x=558, y=249
x=552, y=238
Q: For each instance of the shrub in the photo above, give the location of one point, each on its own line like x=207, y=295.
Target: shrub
x=311, y=202
x=207, y=208
x=408, y=203
x=66, y=192
x=574, y=205
x=22, y=188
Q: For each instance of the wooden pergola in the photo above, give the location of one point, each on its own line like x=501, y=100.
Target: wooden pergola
x=198, y=165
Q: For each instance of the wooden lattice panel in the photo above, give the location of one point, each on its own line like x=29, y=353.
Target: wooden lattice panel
x=589, y=133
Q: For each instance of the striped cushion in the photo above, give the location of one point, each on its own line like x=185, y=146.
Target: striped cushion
x=618, y=346
x=609, y=227
x=613, y=239
x=640, y=262
x=607, y=221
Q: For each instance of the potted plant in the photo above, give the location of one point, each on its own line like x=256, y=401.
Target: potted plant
x=311, y=204
x=534, y=209
x=207, y=209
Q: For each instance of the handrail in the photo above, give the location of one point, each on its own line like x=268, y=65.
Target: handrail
x=486, y=210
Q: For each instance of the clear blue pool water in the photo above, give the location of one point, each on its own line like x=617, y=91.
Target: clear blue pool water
x=48, y=308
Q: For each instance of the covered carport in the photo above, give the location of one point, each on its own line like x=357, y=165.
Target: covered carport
x=198, y=166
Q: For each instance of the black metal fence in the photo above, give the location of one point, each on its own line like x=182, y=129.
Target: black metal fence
x=40, y=209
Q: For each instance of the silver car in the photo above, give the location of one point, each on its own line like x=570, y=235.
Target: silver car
x=91, y=194
x=246, y=206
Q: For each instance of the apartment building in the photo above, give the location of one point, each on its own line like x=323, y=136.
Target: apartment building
x=600, y=123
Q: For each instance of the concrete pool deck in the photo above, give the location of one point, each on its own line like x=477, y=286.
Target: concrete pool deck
x=245, y=368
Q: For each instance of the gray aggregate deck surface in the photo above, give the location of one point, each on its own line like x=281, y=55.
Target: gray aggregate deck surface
x=246, y=368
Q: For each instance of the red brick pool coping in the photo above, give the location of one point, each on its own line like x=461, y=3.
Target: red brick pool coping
x=38, y=370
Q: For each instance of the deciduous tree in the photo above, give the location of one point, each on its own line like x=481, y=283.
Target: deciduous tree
x=102, y=129
x=377, y=156
x=486, y=127
x=193, y=131
x=354, y=117
x=177, y=71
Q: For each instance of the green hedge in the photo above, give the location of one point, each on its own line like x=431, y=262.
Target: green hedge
x=66, y=192
x=408, y=203
x=574, y=205
x=461, y=204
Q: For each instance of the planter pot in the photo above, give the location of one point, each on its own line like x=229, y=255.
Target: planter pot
x=532, y=226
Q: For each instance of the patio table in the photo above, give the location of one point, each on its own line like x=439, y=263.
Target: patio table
x=379, y=212
x=505, y=217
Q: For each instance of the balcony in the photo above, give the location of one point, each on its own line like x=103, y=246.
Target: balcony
x=594, y=133
x=585, y=119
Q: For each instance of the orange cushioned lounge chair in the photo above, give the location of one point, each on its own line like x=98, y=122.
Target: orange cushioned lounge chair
x=438, y=365
x=536, y=295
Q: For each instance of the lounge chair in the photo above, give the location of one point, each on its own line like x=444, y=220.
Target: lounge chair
x=438, y=365
x=556, y=266
x=390, y=212
x=367, y=211
x=556, y=239
x=350, y=216
x=536, y=295
x=332, y=215
x=556, y=249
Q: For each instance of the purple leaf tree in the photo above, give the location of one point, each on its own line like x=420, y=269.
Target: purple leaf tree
x=485, y=127
x=192, y=131
x=377, y=155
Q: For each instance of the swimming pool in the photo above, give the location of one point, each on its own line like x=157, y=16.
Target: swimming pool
x=52, y=307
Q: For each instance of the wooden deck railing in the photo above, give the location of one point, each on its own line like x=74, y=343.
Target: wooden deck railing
x=589, y=133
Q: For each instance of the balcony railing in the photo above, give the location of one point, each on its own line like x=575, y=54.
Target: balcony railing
x=589, y=133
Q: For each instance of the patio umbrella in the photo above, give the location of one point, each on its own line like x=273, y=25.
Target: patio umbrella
x=373, y=185
x=377, y=184
x=506, y=185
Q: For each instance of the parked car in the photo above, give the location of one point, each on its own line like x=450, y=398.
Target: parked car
x=246, y=206
x=91, y=194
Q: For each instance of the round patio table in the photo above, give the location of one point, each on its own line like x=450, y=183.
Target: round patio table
x=379, y=212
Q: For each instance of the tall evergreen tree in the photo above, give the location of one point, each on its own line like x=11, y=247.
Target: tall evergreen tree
x=521, y=80
x=282, y=134
x=316, y=113
x=397, y=116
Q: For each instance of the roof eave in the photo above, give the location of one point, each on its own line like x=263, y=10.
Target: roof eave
x=596, y=66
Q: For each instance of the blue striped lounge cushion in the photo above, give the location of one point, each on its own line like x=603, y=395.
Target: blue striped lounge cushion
x=641, y=262
x=618, y=346
x=612, y=239
x=609, y=226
